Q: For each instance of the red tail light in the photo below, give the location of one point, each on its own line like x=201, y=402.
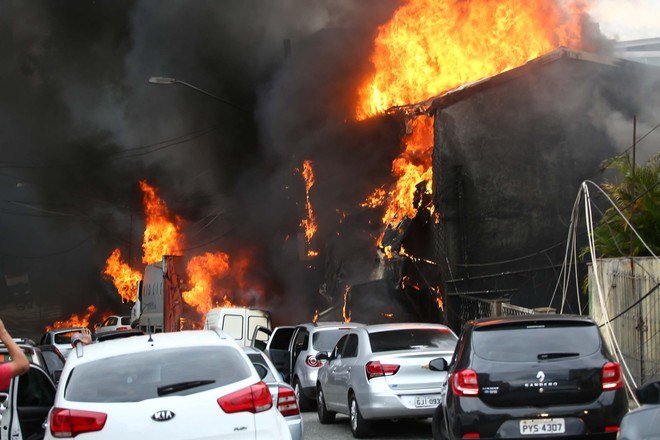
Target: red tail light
x=611, y=429
x=123, y=328
x=313, y=362
x=471, y=435
x=376, y=369
x=286, y=402
x=612, y=377
x=255, y=398
x=71, y=422
x=464, y=383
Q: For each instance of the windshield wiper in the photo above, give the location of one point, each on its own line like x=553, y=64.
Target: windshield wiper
x=546, y=356
x=173, y=388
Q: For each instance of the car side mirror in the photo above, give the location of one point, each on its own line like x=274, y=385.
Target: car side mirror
x=649, y=393
x=322, y=356
x=438, y=364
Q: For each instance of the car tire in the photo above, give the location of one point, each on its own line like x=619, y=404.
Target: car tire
x=438, y=427
x=360, y=427
x=325, y=417
x=304, y=402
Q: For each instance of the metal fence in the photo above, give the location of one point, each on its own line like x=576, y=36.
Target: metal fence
x=631, y=298
x=472, y=307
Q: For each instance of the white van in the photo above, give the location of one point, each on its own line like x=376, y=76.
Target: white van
x=237, y=322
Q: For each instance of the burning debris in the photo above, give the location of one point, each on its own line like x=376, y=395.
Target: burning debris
x=309, y=224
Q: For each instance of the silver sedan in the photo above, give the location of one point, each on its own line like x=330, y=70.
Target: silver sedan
x=382, y=372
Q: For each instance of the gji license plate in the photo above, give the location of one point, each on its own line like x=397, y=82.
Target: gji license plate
x=542, y=426
x=431, y=400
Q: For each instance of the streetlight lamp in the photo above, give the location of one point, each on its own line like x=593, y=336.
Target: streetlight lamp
x=167, y=81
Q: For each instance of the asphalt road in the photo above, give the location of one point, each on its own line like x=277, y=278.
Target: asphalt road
x=391, y=430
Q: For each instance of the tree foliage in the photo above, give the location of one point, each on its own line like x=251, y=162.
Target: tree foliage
x=639, y=200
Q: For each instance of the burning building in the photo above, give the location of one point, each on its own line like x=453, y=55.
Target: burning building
x=509, y=155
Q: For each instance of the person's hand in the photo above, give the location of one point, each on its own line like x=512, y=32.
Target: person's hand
x=2, y=327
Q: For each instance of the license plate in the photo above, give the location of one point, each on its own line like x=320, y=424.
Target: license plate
x=542, y=426
x=428, y=401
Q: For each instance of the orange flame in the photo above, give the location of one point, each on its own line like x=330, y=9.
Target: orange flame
x=345, y=310
x=74, y=320
x=316, y=316
x=309, y=224
x=161, y=234
x=202, y=271
x=432, y=46
x=124, y=278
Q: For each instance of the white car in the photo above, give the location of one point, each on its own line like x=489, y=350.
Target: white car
x=182, y=385
x=113, y=323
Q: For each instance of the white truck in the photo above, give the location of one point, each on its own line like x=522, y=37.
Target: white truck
x=159, y=304
x=238, y=322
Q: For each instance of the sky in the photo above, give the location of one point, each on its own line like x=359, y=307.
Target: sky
x=627, y=19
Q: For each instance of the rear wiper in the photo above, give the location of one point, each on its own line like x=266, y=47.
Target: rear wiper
x=173, y=388
x=546, y=356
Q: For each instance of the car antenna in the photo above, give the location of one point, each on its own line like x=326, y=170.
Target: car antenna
x=149, y=330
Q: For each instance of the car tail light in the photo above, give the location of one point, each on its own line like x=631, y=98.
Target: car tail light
x=612, y=377
x=123, y=328
x=71, y=422
x=255, y=398
x=471, y=435
x=313, y=362
x=376, y=369
x=611, y=429
x=286, y=402
x=464, y=383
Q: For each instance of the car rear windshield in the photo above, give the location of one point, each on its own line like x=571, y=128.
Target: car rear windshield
x=281, y=338
x=64, y=337
x=146, y=375
x=410, y=339
x=125, y=320
x=325, y=340
x=534, y=342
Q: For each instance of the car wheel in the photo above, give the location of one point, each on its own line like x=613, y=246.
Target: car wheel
x=304, y=402
x=325, y=416
x=359, y=427
x=438, y=426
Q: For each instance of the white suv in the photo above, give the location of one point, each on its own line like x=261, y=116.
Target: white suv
x=182, y=385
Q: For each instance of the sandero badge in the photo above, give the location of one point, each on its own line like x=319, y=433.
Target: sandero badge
x=163, y=416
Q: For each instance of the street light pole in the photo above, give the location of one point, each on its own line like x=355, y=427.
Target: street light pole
x=168, y=81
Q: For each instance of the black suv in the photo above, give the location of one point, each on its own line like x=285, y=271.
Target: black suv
x=528, y=376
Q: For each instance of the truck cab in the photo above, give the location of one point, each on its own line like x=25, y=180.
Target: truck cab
x=238, y=322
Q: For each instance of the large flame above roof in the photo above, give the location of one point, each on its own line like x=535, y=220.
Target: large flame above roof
x=431, y=46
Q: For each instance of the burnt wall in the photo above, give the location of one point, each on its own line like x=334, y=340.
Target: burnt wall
x=509, y=157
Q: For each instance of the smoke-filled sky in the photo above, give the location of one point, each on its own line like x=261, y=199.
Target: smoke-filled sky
x=627, y=19
x=80, y=125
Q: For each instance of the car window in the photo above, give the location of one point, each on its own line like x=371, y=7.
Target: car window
x=257, y=358
x=64, y=337
x=281, y=338
x=138, y=376
x=34, y=389
x=254, y=322
x=325, y=340
x=4, y=355
x=53, y=361
x=529, y=343
x=351, y=347
x=233, y=326
x=302, y=340
x=410, y=339
x=126, y=320
x=339, y=347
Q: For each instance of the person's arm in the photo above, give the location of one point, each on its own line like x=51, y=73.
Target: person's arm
x=19, y=361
